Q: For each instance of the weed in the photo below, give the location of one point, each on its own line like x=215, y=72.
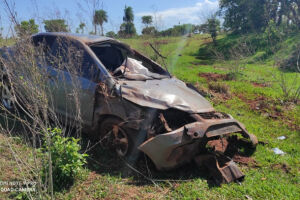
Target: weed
x=219, y=87
x=67, y=162
x=290, y=88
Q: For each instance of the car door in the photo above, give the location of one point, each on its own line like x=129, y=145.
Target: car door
x=73, y=76
x=43, y=46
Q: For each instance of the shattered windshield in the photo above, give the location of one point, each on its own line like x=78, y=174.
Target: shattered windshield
x=125, y=64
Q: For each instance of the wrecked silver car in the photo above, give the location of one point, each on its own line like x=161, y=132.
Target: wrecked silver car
x=136, y=105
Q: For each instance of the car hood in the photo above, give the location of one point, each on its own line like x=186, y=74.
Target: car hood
x=163, y=94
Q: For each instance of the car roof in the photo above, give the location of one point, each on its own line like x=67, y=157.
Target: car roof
x=88, y=39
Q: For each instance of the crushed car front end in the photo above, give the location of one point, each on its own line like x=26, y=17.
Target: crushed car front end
x=182, y=124
x=174, y=148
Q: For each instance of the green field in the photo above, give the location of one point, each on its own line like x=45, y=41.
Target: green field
x=252, y=94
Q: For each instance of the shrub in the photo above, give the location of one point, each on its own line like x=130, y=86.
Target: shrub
x=291, y=63
x=219, y=87
x=67, y=162
x=272, y=35
x=111, y=34
x=233, y=76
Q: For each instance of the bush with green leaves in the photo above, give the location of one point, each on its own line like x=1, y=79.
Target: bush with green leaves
x=67, y=161
x=272, y=37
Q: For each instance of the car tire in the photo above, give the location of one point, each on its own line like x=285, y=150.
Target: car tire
x=114, y=135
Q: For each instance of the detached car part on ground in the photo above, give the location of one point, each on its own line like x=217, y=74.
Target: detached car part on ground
x=133, y=104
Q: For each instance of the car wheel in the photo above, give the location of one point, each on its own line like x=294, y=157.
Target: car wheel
x=114, y=136
x=7, y=97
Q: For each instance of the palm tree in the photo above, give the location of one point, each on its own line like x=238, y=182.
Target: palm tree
x=128, y=15
x=100, y=17
x=127, y=27
x=81, y=27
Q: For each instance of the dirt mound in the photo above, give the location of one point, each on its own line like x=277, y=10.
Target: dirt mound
x=214, y=76
x=260, y=103
x=272, y=109
x=263, y=105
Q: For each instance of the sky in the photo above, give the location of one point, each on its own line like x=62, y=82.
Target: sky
x=166, y=13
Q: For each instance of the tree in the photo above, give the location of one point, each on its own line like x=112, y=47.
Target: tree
x=244, y=15
x=213, y=25
x=80, y=27
x=255, y=15
x=149, y=31
x=55, y=25
x=178, y=30
x=147, y=20
x=111, y=34
x=127, y=28
x=203, y=28
x=26, y=28
x=100, y=17
x=128, y=15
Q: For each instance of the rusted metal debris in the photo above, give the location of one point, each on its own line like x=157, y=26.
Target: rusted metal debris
x=165, y=123
x=186, y=141
x=222, y=169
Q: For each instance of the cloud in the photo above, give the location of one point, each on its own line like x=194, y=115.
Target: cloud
x=193, y=14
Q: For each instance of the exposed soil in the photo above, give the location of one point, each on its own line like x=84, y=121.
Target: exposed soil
x=218, y=145
x=268, y=108
x=230, y=147
x=161, y=42
x=255, y=84
x=214, y=76
x=215, y=96
x=219, y=88
x=260, y=103
x=217, y=91
x=243, y=159
x=284, y=167
x=263, y=105
x=218, y=94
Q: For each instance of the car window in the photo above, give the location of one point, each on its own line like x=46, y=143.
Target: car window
x=43, y=45
x=70, y=56
x=115, y=57
x=110, y=56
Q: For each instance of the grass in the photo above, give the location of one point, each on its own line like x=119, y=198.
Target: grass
x=255, y=100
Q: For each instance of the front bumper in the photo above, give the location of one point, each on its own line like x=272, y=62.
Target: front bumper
x=180, y=146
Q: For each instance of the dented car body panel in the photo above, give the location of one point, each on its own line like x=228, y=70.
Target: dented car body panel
x=164, y=94
x=176, y=120
x=180, y=146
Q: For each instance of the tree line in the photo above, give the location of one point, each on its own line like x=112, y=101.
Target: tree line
x=253, y=16
x=127, y=28
x=240, y=16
